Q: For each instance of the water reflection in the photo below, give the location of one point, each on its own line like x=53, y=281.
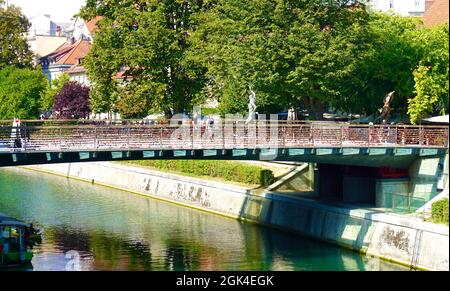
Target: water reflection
x=87, y=227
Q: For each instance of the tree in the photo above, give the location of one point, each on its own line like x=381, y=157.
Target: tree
x=406, y=58
x=146, y=41
x=431, y=74
x=14, y=50
x=19, y=92
x=72, y=102
x=53, y=88
x=388, y=65
x=290, y=52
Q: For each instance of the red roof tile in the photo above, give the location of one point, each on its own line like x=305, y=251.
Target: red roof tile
x=78, y=51
x=75, y=69
x=92, y=24
x=437, y=13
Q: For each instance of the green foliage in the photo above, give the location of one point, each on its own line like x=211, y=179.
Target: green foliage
x=302, y=54
x=48, y=96
x=146, y=41
x=230, y=171
x=407, y=58
x=388, y=66
x=209, y=111
x=431, y=74
x=439, y=211
x=19, y=92
x=288, y=52
x=14, y=50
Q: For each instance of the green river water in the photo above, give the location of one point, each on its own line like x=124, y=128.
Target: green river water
x=90, y=227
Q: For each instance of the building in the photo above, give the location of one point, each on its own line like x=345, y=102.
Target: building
x=69, y=56
x=42, y=24
x=45, y=35
x=436, y=12
x=77, y=73
x=42, y=45
x=65, y=57
x=401, y=7
x=82, y=29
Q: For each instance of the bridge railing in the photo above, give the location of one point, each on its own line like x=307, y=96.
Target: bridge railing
x=217, y=136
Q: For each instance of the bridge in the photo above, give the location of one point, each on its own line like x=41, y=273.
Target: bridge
x=314, y=142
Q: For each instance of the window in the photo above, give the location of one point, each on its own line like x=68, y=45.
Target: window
x=391, y=4
x=417, y=3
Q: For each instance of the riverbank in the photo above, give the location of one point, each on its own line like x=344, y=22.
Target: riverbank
x=405, y=240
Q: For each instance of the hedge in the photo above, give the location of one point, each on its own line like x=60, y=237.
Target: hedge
x=229, y=171
x=439, y=211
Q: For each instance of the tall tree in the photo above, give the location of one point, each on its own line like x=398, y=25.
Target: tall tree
x=290, y=52
x=72, y=102
x=146, y=42
x=19, y=92
x=14, y=48
x=389, y=64
x=431, y=74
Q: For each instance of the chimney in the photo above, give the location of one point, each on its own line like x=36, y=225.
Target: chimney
x=428, y=4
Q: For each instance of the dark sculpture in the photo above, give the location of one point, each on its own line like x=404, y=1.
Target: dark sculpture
x=385, y=112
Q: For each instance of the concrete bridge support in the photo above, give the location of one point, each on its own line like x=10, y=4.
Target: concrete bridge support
x=399, y=189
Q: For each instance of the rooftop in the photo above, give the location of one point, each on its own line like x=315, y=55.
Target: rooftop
x=69, y=54
x=436, y=12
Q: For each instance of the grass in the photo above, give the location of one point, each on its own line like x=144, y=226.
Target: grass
x=244, y=174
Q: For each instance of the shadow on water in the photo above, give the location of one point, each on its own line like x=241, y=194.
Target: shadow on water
x=88, y=227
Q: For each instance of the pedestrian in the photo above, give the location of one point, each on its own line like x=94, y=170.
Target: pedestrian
x=210, y=125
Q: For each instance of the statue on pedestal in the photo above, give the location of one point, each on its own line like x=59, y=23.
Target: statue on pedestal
x=251, y=106
x=385, y=112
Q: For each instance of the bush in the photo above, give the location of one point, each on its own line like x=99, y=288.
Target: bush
x=72, y=102
x=230, y=171
x=439, y=211
x=19, y=92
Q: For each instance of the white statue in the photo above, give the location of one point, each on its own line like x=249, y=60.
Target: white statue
x=251, y=106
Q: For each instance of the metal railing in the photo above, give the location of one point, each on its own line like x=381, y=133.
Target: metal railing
x=35, y=137
x=404, y=203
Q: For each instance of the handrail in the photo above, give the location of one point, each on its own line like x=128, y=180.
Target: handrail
x=142, y=122
x=219, y=136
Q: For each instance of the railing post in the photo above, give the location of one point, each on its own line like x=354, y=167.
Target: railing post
x=420, y=135
x=95, y=138
x=60, y=139
x=223, y=135
x=25, y=139
x=396, y=135
x=409, y=202
x=160, y=136
x=342, y=135
x=192, y=134
x=128, y=137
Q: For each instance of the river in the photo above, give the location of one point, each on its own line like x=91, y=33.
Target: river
x=90, y=227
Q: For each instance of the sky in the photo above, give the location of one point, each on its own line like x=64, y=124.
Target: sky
x=60, y=10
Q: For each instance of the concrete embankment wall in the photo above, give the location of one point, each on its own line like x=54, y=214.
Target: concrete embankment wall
x=401, y=239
